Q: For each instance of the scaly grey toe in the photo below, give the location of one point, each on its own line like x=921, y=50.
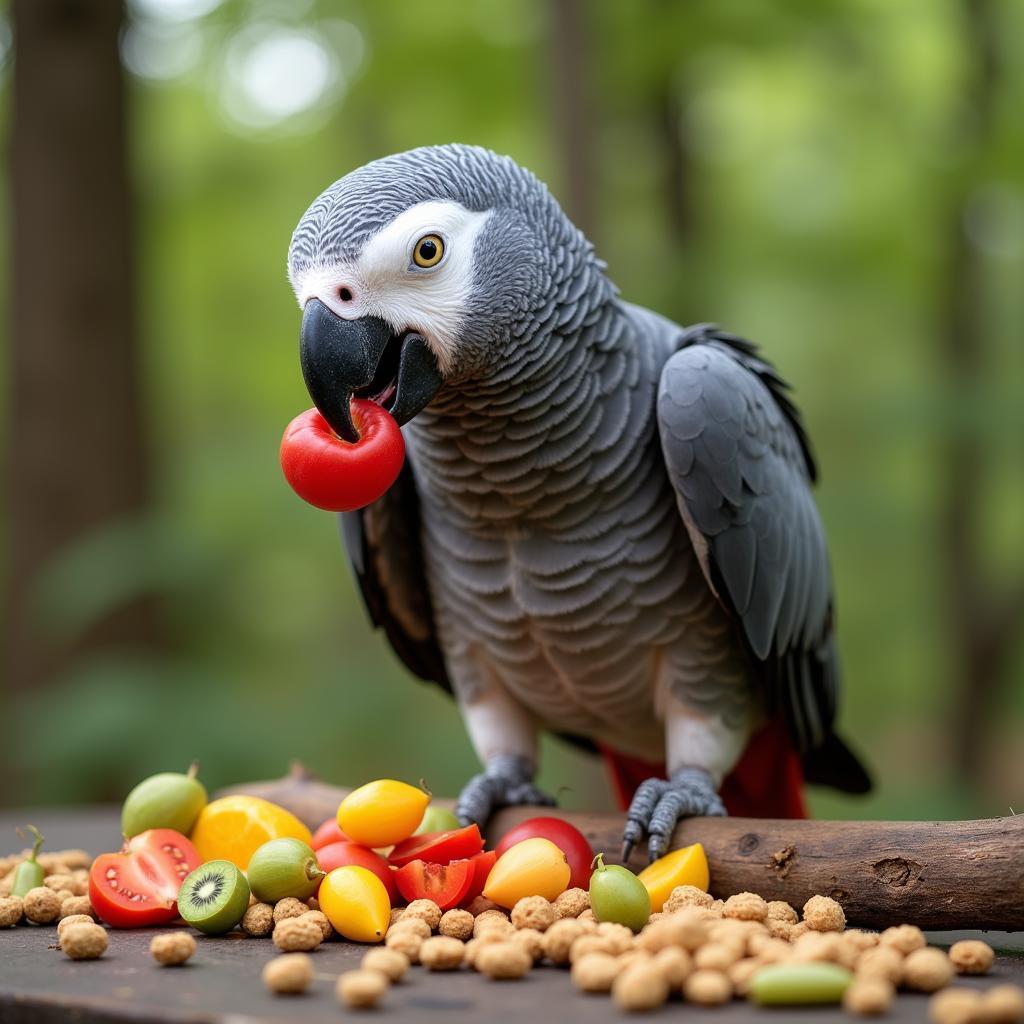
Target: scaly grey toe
x=659, y=804
x=506, y=782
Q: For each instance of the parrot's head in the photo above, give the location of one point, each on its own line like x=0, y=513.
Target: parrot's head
x=433, y=267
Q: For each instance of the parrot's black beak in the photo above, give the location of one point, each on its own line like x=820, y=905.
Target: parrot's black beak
x=366, y=359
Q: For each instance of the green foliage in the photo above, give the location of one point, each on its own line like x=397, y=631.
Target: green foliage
x=823, y=145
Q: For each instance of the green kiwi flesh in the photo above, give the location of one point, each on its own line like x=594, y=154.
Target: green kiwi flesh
x=214, y=897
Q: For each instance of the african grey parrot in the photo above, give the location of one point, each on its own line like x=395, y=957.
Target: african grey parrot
x=604, y=526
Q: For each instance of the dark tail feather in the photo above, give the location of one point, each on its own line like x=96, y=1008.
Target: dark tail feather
x=834, y=764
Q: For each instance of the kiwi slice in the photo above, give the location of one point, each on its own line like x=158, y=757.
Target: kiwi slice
x=214, y=898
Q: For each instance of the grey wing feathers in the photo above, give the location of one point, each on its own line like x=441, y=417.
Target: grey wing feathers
x=385, y=551
x=742, y=468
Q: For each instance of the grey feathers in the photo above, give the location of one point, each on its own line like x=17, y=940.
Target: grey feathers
x=742, y=471
x=604, y=510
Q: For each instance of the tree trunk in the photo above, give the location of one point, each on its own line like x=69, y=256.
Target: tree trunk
x=77, y=451
x=573, y=110
x=984, y=621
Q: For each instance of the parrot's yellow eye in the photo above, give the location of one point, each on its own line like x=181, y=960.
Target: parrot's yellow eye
x=428, y=251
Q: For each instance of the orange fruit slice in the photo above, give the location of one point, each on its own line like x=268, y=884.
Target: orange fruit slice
x=232, y=827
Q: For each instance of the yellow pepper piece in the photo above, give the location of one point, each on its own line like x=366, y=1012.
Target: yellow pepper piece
x=356, y=903
x=382, y=813
x=687, y=866
x=534, y=867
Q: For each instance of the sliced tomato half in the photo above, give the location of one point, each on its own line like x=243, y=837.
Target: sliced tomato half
x=339, y=855
x=482, y=864
x=439, y=847
x=445, y=884
x=139, y=886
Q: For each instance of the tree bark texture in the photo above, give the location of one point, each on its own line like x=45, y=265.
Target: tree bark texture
x=573, y=110
x=77, y=456
x=984, y=616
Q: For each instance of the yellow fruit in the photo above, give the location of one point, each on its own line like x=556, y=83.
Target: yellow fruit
x=382, y=813
x=232, y=827
x=687, y=866
x=534, y=867
x=356, y=903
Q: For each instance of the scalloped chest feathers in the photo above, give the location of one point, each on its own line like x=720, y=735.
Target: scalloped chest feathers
x=558, y=563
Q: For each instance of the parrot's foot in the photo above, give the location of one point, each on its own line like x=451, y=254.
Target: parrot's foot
x=657, y=805
x=506, y=782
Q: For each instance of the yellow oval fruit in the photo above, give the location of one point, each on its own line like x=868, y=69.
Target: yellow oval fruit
x=382, y=813
x=534, y=867
x=232, y=828
x=687, y=866
x=356, y=903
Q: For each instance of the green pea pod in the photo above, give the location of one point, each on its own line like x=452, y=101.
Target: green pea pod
x=29, y=873
x=799, y=984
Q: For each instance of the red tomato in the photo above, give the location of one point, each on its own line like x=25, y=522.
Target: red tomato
x=482, y=864
x=439, y=847
x=139, y=886
x=327, y=833
x=445, y=884
x=338, y=855
x=331, y=473
x=569, y=839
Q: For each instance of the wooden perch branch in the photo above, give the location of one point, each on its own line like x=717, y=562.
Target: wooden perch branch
x=936, y=874
x=945, y=874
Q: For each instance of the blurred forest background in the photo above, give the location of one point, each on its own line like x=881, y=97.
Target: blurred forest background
x=840, y=180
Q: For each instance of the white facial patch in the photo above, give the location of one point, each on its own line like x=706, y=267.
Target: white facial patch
x=384, y=281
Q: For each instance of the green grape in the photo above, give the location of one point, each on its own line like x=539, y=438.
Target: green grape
x=617, y=895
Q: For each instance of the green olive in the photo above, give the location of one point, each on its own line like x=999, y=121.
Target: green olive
x=796, y=984
x=167, y=800
x=283, y=867
x=617, y=895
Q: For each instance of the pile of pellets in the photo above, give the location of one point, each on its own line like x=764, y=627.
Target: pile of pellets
x=703, y=950
x=62, y=900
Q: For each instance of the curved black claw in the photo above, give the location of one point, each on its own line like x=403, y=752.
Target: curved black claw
x=506, y=782
x=658, y=804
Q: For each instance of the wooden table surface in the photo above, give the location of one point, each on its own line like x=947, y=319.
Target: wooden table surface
x=221, y=985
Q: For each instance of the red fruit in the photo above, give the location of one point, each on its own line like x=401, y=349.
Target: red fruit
x=439, y=847
x=338, y=855
x=445, y=884
x=327, y=833
x=482, y=864
x=569, y=839
x=331, y=473
x=139, y=886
